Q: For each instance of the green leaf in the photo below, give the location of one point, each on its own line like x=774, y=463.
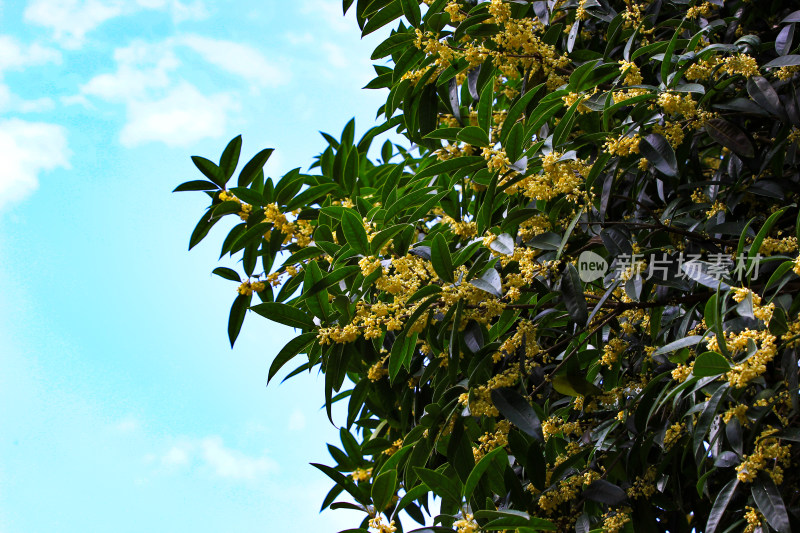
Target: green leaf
x=498, y=456
x=518, y=411
x=783, y=61
x=490, y=282
x=209, y=169
x=289, y=351
x=674, y=346
x=412, y=12
x=710, y=364
x=230, y=158
x=659, y=152
x=458, y=163
x=383, y=488
x=666, y=62
x=354, y=232
x=603, y=491
x=473, y=135
x=441, y=259
x=572, y=385
x=384, y=236
x=201, y=230
x=284, y=314
x=196, y=185
x=721, y=502
x=344, y=482
x=236, y=318
x=382, y=18
x=730, y=136
x=253, y=167
x=572, y=291
x=768, y=498
x=227, y=273
x=447, y=488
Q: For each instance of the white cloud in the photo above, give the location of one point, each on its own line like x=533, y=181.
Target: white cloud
x=182, y=117
x=140, y=67
x=26, y=150
x=238, y=59
x=14, y=55
x=211, y=454
x=71, y=20
x=160, y=106
x=10, y=102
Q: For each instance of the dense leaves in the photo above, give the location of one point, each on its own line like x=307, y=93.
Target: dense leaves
x=567, y=300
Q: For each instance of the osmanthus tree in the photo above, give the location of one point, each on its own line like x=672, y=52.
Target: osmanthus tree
x=568, y=301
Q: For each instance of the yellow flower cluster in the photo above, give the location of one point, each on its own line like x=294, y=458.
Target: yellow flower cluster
x=249, y=287
x=534, y=226
x=557, y=177
x=771, y=245
x=380, y=527
x=753, y=518
x=396, y=445
x=492, y=439
x=740, y=64
x=673, y=132
x=633, y=75
x=739, y=411
x=378, y=371
x=761, y=312
x=464, y=229
x=466, y=524
x=703, y=10
x=299, y=231
x=571, y=98
x=675, y=104
x=742, y=373
x=567, y=490
x=682, y=372
x=615, y=522
x=643, y=486
x=786, y=73
x=768, y=451
x=361, y=474
x=703, y=69
x=244, y=214
x=623, y=146
x=673, y=434
x=612, y=351
x=556, y=425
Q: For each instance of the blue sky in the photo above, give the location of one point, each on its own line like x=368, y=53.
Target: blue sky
x=122, y=406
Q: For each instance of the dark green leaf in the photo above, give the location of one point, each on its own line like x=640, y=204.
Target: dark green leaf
x=284, y=314
x=196, y=185
x=289, y=351
x=383, y=488
x=236, y=318
x=253, y=167
x=659, y=152
x=602, y=491
x=441, y=259
x=354, y=232
x=518, y=411
x=768, y=498
x=710, y=364
x=572, y=291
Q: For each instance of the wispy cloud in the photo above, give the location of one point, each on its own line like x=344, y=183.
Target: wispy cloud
x=71, y=20
x=182, y=117
x=238, y=59
x=26, y=150
x=15, y=55
x=163, y=107
x=211, y=454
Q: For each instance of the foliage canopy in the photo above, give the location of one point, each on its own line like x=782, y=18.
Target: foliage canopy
x=570, y=303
